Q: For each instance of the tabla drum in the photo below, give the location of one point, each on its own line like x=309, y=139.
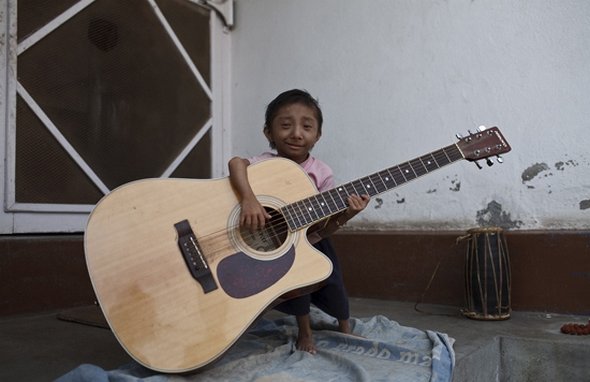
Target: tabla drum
x=487, y=275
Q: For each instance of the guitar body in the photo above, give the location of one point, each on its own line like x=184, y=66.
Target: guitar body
x=163, y=316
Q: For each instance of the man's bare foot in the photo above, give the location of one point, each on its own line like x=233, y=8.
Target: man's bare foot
x=305, y=343
x=344, y=326
x=305, y=338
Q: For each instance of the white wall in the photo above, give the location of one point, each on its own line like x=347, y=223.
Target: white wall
x=397, y=79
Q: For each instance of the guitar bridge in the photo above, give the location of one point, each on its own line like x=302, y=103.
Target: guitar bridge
x=193, y=256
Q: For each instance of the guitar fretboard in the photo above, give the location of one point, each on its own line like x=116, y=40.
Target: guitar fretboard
x=315, y=208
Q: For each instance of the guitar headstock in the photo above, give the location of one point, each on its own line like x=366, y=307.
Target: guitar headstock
x=483, y=144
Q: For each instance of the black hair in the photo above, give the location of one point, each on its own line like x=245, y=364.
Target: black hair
x=291, y=97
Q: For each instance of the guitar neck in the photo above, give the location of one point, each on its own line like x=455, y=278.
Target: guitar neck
x=311, y=210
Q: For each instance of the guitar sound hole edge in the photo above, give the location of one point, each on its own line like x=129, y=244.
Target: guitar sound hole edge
x=269, y=243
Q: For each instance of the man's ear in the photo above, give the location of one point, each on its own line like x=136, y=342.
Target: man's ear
x=267, y=134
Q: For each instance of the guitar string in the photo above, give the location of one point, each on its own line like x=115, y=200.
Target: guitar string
x=217, y=242
x=280, y=228
x=273, y=230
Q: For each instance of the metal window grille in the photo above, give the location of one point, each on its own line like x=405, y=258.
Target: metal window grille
x=108, y=91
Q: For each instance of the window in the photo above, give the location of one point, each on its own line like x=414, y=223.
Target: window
x=105, y=92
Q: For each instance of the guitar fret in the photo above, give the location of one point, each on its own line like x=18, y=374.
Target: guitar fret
x=308, y=205
x=398, y=177
x=418, y=167
x=449, y=159
x=380, y=186
x=300, y=217
x=408, y=171
x=363, y=187
x=388, y=179
x=295, y=216
x=383, y=182
x=430, y=162
x=331, y=205
x=390, y=172
x=303, y=213
x=335, y=197
x=441, y=158
x=401, y=172
x=342, y=203
x=371, y=189
x=286, y=211
x=358, y=187
x=317, y=208
x=349, y=188
x=370, y=186
x=423, y=164
x=377, y=183
x=455, y=153
x=326, y=203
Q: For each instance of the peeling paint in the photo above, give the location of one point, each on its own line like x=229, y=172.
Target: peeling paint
x=560, y=166
x=533, y=171
x=379, y=202
x=456, y=184
x=399, y=199
x=585, y=204
x=493, y=216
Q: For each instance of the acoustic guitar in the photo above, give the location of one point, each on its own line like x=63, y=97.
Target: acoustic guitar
x=177, y=279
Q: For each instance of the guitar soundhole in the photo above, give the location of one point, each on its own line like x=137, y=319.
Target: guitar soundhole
x=271, y=237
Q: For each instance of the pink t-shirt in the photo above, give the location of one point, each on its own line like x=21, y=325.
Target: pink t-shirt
x=318, y=171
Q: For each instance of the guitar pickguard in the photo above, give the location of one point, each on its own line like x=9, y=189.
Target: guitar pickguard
x=242, y=276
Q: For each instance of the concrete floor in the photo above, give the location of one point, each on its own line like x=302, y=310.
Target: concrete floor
x=41, y=347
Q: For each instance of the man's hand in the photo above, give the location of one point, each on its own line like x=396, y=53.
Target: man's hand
x=356, y=204
x=253, y=215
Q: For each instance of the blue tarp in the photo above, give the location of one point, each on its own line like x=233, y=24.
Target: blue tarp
x=379, y=350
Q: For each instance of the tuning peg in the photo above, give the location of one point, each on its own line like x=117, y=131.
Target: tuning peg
x=490, y=162
x=459, y=136
x=477, y=164
x=481, y=128
x=499, y=159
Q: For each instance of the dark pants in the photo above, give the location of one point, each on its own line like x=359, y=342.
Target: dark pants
x=331, y=298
